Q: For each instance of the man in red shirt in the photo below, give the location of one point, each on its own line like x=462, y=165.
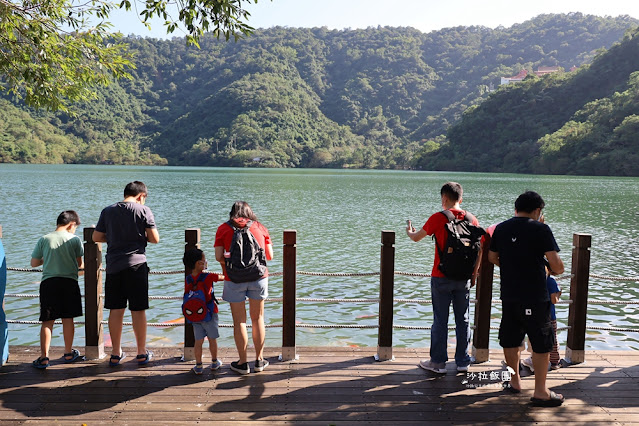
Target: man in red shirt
x=445, y=290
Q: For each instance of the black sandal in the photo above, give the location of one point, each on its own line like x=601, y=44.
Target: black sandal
x=40, y=362
x=115, y=360
x=74, y=354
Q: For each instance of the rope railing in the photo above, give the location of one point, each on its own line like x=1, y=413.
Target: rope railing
x=363, y=326
x=352, y=274
x=577, y=302
x=355, y=300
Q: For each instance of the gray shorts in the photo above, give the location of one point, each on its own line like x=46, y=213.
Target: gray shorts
x=204, y=329
x=239, y=292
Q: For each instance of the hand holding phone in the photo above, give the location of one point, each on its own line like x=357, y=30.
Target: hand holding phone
x=409, y=226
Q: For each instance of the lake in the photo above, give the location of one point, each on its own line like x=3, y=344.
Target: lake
x=339, y=216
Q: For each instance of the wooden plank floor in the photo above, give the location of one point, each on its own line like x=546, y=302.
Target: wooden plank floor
x=326, y=386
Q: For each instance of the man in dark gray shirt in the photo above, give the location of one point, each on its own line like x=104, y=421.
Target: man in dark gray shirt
x=520, y=247
x=126, y=227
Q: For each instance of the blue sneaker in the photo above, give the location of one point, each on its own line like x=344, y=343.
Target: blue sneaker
x=215, y=365
x=198, y=369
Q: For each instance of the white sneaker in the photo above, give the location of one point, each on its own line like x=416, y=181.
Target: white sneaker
x=433, y=366
x=463, y=369
x=528, y=363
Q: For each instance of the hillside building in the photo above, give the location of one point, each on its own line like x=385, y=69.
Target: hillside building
x=514, y=79
x=523, y=73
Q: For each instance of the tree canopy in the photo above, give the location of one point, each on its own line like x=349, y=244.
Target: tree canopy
x=54, y=52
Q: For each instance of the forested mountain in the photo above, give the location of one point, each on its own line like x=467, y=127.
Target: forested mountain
x=585, y=122
x=286, y=97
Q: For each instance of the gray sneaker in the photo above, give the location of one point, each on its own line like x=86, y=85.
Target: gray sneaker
x=439, y=368
x=260, y=365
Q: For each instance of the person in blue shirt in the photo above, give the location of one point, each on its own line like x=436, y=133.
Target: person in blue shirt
x=554, y=292
x=4, y=331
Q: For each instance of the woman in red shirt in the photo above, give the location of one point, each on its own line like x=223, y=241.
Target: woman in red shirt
x=241, y=216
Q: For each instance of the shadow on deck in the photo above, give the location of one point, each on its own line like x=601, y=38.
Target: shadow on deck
x=326, y=386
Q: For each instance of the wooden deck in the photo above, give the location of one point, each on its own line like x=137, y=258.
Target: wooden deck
x=326, y=386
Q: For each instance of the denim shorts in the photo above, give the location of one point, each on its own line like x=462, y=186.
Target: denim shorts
x=208, y=328
x=239, y=292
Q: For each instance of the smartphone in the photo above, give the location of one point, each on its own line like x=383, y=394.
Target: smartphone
x=409, y=225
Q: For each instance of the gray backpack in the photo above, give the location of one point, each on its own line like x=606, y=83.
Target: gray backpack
x=247, y=260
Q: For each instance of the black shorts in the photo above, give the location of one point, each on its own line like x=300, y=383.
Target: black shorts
x=60, y=298
x=129, y=285
x=532, y=319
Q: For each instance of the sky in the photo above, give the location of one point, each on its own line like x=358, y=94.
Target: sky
x=425, y=15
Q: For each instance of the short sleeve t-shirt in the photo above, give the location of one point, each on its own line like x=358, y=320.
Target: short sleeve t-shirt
x=436, y=225
x=224, y=237
x=553, y=287
x=125, y=225
x=521, y=243
x=59, y=252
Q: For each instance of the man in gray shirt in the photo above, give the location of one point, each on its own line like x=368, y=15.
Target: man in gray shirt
x=126, y=227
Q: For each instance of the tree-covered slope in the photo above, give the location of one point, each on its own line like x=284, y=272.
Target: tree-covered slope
x=580, y=122
x=295, y=97
x=25, y=139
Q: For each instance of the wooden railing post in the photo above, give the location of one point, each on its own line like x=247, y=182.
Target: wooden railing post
x=93, y=302
x=386, y=295
x=580, y=269
x=191, y=241
x=289, y=284
x=484, y=295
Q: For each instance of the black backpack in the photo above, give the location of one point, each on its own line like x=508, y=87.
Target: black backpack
x=457, y=260
x=247, y=260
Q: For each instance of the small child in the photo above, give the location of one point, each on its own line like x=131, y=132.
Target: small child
x=195, y=260
x=555, y=292
x=60, y=254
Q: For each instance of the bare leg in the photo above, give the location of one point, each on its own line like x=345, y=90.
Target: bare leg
x=45, y=338
x=540, y=363
x=116, y=317
x=213, y=349
x=238, y=311
x=197, y=350
x=512, y=360
x=68, y=331
x=139, y=330
x=256, y=308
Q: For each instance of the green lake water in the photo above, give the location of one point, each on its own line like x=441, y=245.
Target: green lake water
x=339, y=216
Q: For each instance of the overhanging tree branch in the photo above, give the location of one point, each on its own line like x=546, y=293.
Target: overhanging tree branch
x=52, y=52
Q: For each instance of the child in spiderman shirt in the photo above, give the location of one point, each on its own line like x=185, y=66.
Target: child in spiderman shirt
x=195, y=260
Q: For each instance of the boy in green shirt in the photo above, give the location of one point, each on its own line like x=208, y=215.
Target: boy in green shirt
x=60, y=254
